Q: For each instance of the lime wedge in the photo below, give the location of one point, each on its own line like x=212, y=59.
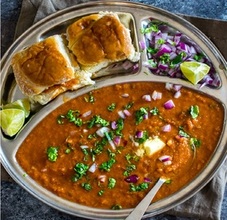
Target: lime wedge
x=11, y=120
x=22, y=104
x=194, y=71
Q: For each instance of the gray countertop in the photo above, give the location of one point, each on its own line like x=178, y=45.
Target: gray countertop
x=18, y=204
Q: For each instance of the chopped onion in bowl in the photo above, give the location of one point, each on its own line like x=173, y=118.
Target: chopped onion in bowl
x=166, y=48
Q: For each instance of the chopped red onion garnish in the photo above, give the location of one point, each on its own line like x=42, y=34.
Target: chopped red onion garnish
x=83, y=146
x=101, y=131
x=114, y=125
x=166, y=128
x=92, y=168
x=165, y=158
x=177, y=87
x=121, y=114
x=125, y=95
x=169, y=162
x=117, y=140
x=85, y=114
x=102, y=178
x=147, y=180
x=132, y=179
x=146, y=98
x=177, y=94
x=156, y=95
x=169, y=104
x=139, y=134
x=169, y=86
x=126, y=112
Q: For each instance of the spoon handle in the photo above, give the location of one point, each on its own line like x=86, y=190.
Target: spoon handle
x=140, y=209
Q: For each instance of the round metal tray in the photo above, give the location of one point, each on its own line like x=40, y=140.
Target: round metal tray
x=138, y=14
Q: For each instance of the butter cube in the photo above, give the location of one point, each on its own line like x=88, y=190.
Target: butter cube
x=151, y=146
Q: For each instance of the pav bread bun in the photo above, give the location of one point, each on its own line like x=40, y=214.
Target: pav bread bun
x=102, y=42
x=45, y=68
x=71, y=60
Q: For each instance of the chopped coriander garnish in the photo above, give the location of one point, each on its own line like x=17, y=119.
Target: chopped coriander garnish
x=129, y=105
x=111, y=183
x=152, y=28
x=154, y=111
x=116, y=207
x=111, y=107
x=96, y=119
x=140, y=114
x=68, y=150
x=101, y=192
x=194, y=143
x=194, y=111
x=168, y=181
x=81, y=170
x=129, y=169
x=90, y=98
x=152, y=63
x=120, y=126
x=182, y=133
x=86, y=186
x=106, y=166
x=60, y=119
x=140, y=187
x=52, y=153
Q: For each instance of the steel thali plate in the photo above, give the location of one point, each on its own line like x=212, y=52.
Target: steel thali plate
x=138, y=14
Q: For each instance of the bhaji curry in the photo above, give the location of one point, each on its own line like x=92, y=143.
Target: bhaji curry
x=108, y=147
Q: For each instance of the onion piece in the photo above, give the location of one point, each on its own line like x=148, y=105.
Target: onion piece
x=177, y=94
x=156, y=95
x=117, y=140
x=132, y=179
x=166, y=128
x=125, y=95
x=93, y=168
x=139, y=134
x=102, y=178
x=121, y=114
x=169, y=86
x=169, y=104
x=85, y=114
x=126, y=112
x=101, y=131
x=114, y=125
x=147, y=180
x=142, y=45
x=165, y=158
x=146, y=98
x=84, y=146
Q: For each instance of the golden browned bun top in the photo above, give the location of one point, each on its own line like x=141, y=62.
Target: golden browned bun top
x=106, y=39
x=75, y=28
x=42, y=65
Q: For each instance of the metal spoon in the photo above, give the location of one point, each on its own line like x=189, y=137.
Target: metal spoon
x=141, y=208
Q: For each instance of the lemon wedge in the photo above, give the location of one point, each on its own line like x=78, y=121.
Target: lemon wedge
x=11, y=120
x=22, y=104
x=194, y=71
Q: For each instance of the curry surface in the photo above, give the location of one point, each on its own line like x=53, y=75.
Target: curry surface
x=186, y=161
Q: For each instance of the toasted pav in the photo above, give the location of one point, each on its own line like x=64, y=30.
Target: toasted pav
x=80, y=25
x=103, y=42
x=45, y=67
